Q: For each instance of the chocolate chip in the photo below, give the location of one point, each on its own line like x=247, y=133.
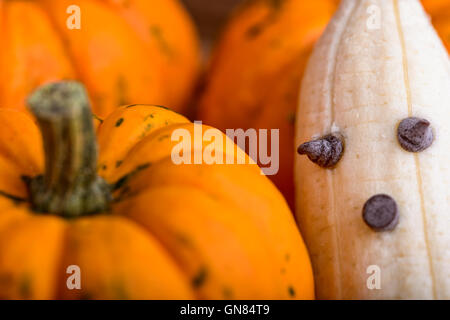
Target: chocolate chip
x=380, y=213
x=415, y=134
x=326, y=151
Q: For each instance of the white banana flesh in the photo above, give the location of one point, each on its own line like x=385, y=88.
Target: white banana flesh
x=379, y=62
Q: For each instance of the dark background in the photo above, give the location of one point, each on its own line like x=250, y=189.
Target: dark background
x=210, y=15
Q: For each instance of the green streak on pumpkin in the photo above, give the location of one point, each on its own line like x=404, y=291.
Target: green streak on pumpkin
x=147, y=128
x=97, y=118
x=119, y=122
x=157, y=34
x=122, y=89
x=11, y=197
x=258, y=28
x=162, y=107
x=124, y=193
x=227, y=293
x=291, y=291
x=163, y=137
x=184, y=239
x=119, y=290
x=150, y=116
x=126, y=178
x=291, y=118
x=200, y=278
x=25, y=287
x=86, y=296
x=147, y=105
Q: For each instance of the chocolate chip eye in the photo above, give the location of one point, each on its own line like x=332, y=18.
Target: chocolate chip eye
x=415, y=134
x=326, y=151
x=380, y=213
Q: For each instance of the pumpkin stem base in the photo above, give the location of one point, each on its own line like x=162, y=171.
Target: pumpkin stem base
x=78, y=202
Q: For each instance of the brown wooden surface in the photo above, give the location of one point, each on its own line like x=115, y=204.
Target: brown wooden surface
x=210, y=15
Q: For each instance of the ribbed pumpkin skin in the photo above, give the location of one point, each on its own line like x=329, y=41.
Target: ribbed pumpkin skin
x=256, y=72
x=126, y=51
x=174, y=232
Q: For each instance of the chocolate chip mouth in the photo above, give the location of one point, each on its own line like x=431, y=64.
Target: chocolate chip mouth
x=380, y=213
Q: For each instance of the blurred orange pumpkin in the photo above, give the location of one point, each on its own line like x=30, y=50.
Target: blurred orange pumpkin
x=255, y=74
x=440, y=16
x=127, y=51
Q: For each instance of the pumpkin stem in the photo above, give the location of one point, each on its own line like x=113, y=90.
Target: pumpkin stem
x=70, y=185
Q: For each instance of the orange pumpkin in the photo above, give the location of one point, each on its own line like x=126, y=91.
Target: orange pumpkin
x=137, y=225
x=256, y=72
x=126, y=50
x=440, y=16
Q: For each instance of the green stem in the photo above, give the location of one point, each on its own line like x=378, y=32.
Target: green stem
x=70, y=185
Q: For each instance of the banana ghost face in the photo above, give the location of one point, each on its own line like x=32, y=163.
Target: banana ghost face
x=380, y=77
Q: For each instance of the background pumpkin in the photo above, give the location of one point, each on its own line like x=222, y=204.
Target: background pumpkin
x=255, y=74
x=256, y=71
x=440, y=16
x=127, y=51
x=172, y=232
